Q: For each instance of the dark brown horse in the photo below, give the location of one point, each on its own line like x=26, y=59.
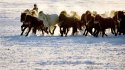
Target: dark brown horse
x=31, y=22
x=117, y=21
x=67, y=22
x=104, y=23
x=83, y=20
x=88, y=20
x=121, y=18
x=24, y=25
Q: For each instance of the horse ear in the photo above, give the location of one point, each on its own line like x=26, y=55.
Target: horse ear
x=41, y=12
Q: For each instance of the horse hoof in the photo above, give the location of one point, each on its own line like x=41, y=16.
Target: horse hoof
x=115, y=34
x=26, y=35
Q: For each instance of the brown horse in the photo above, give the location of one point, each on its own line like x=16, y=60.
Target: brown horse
x=24, y=25
x=104, y=23
x=117, y=21
x=67, y=22
x=32, y=22
x=88, y=20
x=83, y=20
x=121, y=18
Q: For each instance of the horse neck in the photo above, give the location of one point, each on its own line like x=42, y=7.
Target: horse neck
x=25, y=16
x=45, y=19
x=101, y=19
x=28, y=18
x=88, y=18
x=62, y=17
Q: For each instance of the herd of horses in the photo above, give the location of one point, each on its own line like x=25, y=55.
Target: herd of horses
x=92, y=23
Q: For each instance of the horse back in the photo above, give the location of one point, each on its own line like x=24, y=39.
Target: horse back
x=107, y=23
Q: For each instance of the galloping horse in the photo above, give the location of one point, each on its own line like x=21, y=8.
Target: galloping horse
x=88, y=20
x=23, y=17
x=117, y=21
x=77, y=19
x=30, y=20
x=103, y=24
x=49, y=21
x=67, y=22
x=35, y=23
x=121, y=17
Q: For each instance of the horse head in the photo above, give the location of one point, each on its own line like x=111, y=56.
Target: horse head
x=62, y=16
x=120, y=14
x=97, y=19
x=23, y=16
x=41, y=12
x=87, y=12
x=41, y=15
x=75, y=15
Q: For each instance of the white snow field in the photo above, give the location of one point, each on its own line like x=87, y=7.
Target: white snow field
x=54, y=52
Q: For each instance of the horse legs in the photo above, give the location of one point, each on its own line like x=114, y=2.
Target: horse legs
x=66, y=31
x=34, y=30
x=96, y=32
x=85, y=32
x=124, y=33
x=22, y=27
x=28, y=31
x=74, y=30
x=113, y=31
x=53, y=30
x=46, y=29
x=42, y=32
x=103, y=33
x=50, y=31
x=88, y=30
x=61, y=32
x=23, y=30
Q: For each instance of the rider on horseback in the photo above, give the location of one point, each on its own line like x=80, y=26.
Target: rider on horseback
x=35, y=7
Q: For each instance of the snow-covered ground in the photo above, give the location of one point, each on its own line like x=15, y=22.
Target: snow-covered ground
x=55, y=52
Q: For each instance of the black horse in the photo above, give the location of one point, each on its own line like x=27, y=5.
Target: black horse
x=121, y=17
x=24, y=25
x=67, y=22
x=88, y=20
x=31, y=22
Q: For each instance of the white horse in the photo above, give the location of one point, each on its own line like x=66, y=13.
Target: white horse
x=49, y=21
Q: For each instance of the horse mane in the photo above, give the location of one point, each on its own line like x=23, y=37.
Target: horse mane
x=43, y=17
x=87, y=12
x=75, y=15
